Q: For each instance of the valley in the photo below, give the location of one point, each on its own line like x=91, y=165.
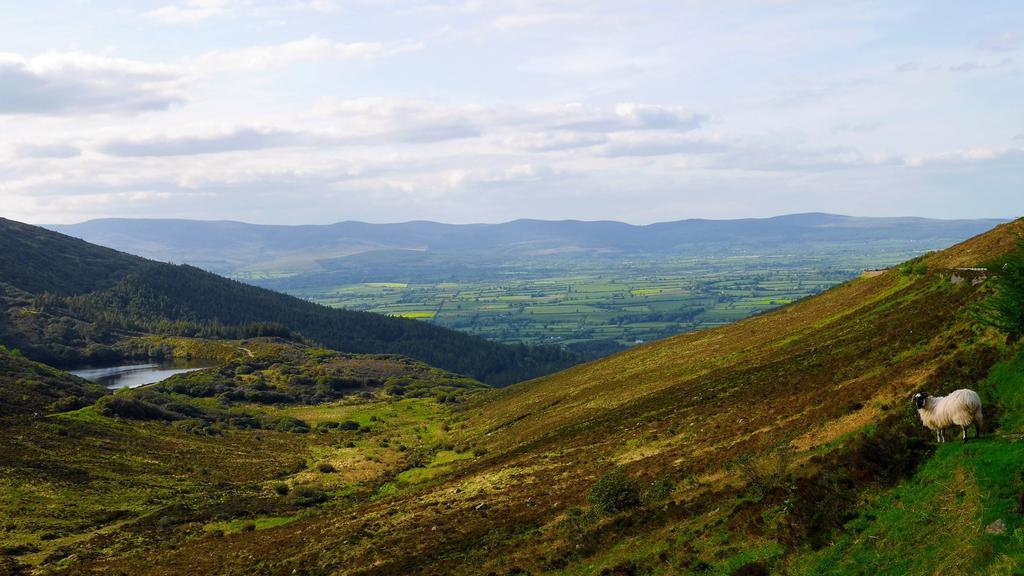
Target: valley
x=593, y=288
x=780, y=443
x=594, y=307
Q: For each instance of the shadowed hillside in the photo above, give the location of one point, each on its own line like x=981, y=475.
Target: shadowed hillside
x=746, y=447
x=66, y=301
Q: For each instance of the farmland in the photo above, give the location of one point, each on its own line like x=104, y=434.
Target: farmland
x=597, y=306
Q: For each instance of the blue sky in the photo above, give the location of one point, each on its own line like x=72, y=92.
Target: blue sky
x=317, y=111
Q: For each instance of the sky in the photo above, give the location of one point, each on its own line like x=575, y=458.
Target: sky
x=317, y=111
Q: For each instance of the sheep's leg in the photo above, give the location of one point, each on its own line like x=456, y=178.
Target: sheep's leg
x=938, y=436
x=963, y=429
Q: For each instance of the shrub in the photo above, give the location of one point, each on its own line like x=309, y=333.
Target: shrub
x=289, y=424
x=765, y=478
x=68, y=403
x=659, y=490
x=614, y=492
x=168, y=521
x=577, y=519
x=281, y=488
x=308, y=496
x=125, y=407
x=326, y=468
x=248, y=527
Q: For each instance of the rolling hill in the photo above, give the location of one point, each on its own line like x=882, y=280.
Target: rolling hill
x=783, y=443
x=232, y=248
x=66, y=301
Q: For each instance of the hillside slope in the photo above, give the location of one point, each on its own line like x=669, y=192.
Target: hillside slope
x=95, y=293
x=30, y=387
x=746, y=447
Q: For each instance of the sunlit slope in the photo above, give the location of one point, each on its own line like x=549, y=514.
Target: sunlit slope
x=809, y=378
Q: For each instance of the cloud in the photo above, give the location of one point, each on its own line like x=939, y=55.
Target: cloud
x=515, y=21
x=552, y=141
x=798, y=159
x=310, y=49
x=381, y=122
x=248, y=138
x=657, y=144
x=970, y=156
x=631, y=116
x=47, y=151
x=244, y=138
x=973, y=66
x=75, y=83
x=1005, y=42
x=191, y=11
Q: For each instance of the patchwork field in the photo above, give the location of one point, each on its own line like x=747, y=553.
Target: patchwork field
x=599, y=306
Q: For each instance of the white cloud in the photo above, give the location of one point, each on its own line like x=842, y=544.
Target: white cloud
x=74, y=82
x=190, y=11
x=659, y=144
x=515, y=21
x=310, y=49
x=549, y=141
x=970, y=156
x=236, y=139
x=47, y=151
x=1004, y=42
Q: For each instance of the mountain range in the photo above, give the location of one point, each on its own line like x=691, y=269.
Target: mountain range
x=234, y=248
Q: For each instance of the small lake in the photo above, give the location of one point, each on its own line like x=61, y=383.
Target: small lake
x=135, y=375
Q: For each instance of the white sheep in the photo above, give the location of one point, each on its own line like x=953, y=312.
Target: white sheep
x=961, y=408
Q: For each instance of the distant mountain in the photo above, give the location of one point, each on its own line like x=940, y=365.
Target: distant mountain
x=62, y=300
x=235, y=248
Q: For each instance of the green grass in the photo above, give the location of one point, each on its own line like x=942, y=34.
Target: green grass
x=936, y=522
x=238, y=524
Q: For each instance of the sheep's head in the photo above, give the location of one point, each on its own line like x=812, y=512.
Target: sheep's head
x=919, y=399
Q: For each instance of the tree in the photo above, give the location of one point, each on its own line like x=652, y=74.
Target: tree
x=1004, y=309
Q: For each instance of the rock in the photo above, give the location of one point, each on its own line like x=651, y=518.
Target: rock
x=997, y=527
x=480, y=506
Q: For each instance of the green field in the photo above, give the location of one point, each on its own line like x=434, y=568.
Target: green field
x=598, y=306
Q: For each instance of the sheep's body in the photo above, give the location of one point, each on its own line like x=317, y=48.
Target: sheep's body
x=960, y=408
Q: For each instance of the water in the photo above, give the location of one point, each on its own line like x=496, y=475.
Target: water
x=135, y=375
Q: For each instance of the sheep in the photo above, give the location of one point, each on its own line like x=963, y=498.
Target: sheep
x=961, y=408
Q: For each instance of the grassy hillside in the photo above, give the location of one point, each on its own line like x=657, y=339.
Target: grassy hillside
x=30, y=387
x=780, y=444
x=66, y=301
